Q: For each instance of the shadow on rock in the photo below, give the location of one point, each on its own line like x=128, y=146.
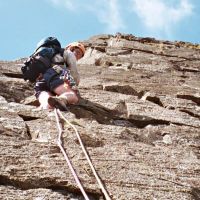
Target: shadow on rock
x=91, y=110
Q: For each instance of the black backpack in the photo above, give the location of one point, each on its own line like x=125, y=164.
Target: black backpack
x=41, y=59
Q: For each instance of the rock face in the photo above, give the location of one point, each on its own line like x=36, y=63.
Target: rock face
x=139, y=118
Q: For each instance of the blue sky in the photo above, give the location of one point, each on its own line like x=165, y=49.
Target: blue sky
x=24, y=22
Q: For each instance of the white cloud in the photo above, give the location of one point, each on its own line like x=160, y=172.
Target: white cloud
x=111, y=16
x=160, y=15
x=107, y=12
x=69, y=4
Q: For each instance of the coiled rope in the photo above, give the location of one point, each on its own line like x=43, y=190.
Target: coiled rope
x=57, y=112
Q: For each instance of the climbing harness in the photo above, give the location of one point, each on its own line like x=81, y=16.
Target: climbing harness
x=60, y=116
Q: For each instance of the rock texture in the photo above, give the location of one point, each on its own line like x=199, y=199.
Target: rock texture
x=139, y=118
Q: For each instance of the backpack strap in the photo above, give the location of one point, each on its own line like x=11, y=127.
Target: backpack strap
x=44, y=60
x=58, y=58
x=61, y=51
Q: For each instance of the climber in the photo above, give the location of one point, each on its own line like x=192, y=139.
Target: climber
x=57, y=87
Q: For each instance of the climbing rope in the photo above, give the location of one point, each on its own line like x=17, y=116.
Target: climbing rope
x=59, y=142
x=85, y=152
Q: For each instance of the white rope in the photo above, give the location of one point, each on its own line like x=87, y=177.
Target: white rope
x=88, y=158
x=59, y=142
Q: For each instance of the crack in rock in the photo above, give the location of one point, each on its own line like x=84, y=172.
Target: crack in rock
x=190, y=97
x=190, y=113
x=46, y=183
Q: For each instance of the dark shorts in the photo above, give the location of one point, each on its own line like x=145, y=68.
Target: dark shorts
x=52, y=78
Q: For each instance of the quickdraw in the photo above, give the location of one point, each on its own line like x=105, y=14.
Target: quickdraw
x=59, y=115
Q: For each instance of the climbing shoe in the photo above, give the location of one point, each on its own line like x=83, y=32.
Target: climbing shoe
x=58, y=102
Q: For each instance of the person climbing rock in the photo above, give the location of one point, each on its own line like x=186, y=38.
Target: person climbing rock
x=58, y=86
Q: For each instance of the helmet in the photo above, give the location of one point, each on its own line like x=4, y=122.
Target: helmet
x=76, y=44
